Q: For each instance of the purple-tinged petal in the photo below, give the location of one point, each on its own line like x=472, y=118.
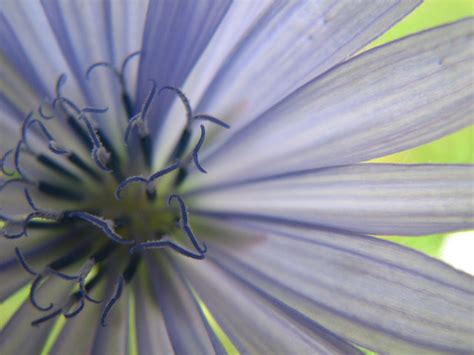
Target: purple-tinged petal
x=18, y=335
x=175, y=35
x=78, y=333
x=367, y=198
x=388, y=99
x=152, y=334
x=92, y=38
x=185, y=324
x=113, y=338
x=253, y=324
x=315, y=35
x=372, y=292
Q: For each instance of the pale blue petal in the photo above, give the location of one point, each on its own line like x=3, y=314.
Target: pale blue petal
x=385, y=100
x=367, y=198
x=372, y=292
x=186, y=326
x=83, y=31
x=18, y=336
x=255, y=325
x=113, y=338
x=290, y=44
x=152, y=334
x=238, y=21
x=78, y=334
x=264, y=40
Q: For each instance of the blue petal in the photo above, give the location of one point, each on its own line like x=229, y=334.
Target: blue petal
x=292, y=43
x=256, y=325
x=175, y=35
x=152, y=334
x=19, y=336
x=353, y=113
x=78, y=334
x=374, y=293
x=112, y=338
x=185, y=323
x=367, y=198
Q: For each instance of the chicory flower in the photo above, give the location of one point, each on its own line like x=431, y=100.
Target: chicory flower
x=167, y=160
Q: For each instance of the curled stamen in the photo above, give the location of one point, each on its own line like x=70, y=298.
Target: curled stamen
x=83, y=290
x=148, y=99
x=197, y=148
x=105, y=225
x=61, y=275
x=24, y=224
x=147, y=181
x=76, y=311
x=127, y=60
x=30, y=200
x=99, y=153
x=5, y=183
x=2, y=163
x=43, y=114
x=102, y=64
x=118, y=73
x=189, y=232
x=115, y=297
x=23, y=262
x=126, y=182
x=131, y=124
x=60, y=83
x=46, y=318
x=185, y=223
x=211, y=119
x=183, y=98
x=139, y=119
x=53, y=146
x=33, y=289
x=182, y=208
x=165, y=171
x=64, y=102
x=16, y=159
x=164, y=244
x=79, y=112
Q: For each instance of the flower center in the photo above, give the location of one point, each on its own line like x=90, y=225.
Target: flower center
x=112, y=215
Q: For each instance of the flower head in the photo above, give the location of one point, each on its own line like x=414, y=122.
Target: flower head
x=183, y=167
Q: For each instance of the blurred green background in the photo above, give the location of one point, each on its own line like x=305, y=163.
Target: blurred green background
x=456, y=148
